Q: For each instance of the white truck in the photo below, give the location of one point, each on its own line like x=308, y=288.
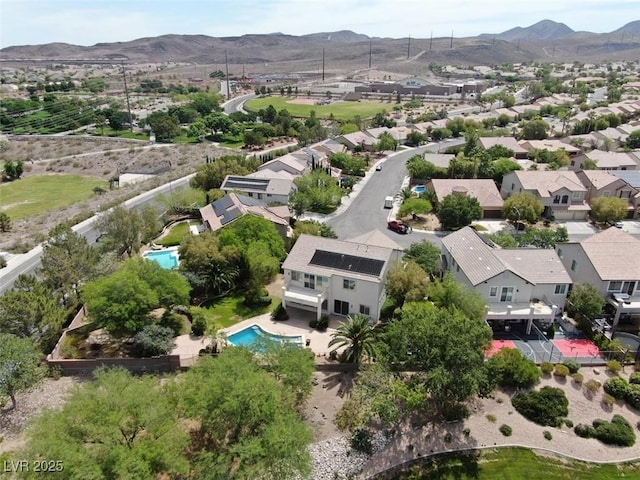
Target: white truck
x=388, y=202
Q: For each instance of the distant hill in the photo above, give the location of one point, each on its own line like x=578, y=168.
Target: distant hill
x=543, y=30
x=632, y=28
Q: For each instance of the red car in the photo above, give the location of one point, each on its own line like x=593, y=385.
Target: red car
x=398, y=226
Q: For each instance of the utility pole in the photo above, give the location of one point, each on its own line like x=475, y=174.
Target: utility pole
x=323, y=64
x=451, y=45
x=369, y=54
x=226, y=61
x=409, y=47
x=126, y=93
x=431, y=40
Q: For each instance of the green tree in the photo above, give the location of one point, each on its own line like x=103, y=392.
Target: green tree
x=247, y=424
x=312, y=227
x=450, y=294
x=218, y=122
x=420, y=168
x=19, y=370
x=512, y=369
x=386, y=142
x=318, y=191
x=633, y=140
x=407, y=282
x=153, y=340
x=211, y=175
x=503, y=239
x=535, y=129
x=117, y=426
x=585, y=302
x=457, y=211
x=5, y=222
x=357, y=336
x=609, y=209
x=415, y=206
x=502, y=166
x=427, y=255
x=13, y=170
x=291, y=365
x=523, y=206
x=165, y=126
x=31, y=310
x=125, y=230
x=542, y=238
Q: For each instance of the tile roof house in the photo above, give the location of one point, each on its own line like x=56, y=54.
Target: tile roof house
x=551, y=145
x=484, y=190
x=330, y=276
x=357, y=139
x=561, y=192
x=600, y=183
x=519, y=284
x=606, y=160
x=225, y=210
x=269, y=190
x=609, y=260
x=509, y=142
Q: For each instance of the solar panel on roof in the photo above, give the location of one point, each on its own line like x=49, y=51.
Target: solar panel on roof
x=349, y=263
x=243, y=183
x=221, y=205
x=230, y=215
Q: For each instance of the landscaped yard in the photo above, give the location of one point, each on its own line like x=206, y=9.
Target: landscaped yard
x=518, y=463
x=230, y=310
x=33, y=195
x=340, y=110
x=176, y=234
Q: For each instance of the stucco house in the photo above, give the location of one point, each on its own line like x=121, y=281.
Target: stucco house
x=484, y=190
x=519, y=152
x=330, y=276
x=609, y=260
x=561, y=192
x=520, y=285
x=601, y=183
x=606, y=160
x=268, y=190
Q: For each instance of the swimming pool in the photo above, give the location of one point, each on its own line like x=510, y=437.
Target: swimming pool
x=419, y=189
x=248, y=336
x=168, y=258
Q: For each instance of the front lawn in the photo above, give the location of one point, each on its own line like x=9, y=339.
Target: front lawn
x=31, y=196
x=340, y=110
x=230, y=310
x=515, y=463
x=176, y=234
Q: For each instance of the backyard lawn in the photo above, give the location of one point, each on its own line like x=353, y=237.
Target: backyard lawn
x=176, y=234
x=340, y=110
x=516, y=464
x=31, y=196
x=230, y=310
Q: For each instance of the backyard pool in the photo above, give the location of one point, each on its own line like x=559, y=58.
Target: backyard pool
x=167, y=258
x=419, y=189
x=251, y=334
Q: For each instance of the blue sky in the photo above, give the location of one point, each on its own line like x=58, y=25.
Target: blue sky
x=86, y=22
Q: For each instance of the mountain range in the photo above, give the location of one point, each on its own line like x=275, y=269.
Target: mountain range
x=345, y=50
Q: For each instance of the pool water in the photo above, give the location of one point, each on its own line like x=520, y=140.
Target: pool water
x=248, y=336
x=168, y=259
x=420, y=189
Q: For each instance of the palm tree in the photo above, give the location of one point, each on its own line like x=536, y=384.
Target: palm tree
x=357, y=335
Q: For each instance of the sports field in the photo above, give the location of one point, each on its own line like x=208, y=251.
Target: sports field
x=31, y=196
x=301, y=107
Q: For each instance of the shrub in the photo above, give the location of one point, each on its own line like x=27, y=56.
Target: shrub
x=467, y=431
x=455, y=412
x=584, y=431
x=153, y=340
x=561, y=371
x=199, y=324
x=545, y=407
x=361, y=441
x=547, y=435
x=572, y=365
x=506, y=430
x=492, y=418
x=592, y=386
x=616, y=387
x=448, y=438
x=280, y=313
x=546, y=367
x=608, y=400
x=173, y=321
x=323, y=323
x=511, y=368
x=578, y=378
x=568, y=423
x=313, y=323
x=614, y=366
x=617, y=432
x=634, y=378
x=633, y=395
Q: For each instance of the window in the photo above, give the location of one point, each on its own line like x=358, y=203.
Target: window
x=576, y=195
x=565, y=199
x=348, y=284
x=365, y=310
x=295, y=276
x=574, y=266
x=506, y=294
x=573, y=163
x=556, y=199
x=606, y=194
x=322, y=281
x=493, y=292
x=259, y=196
x=614, y=287
x=309, y=281
x=513, y=185
x=561, y=289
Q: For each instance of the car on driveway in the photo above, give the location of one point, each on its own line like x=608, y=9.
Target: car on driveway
x=398, y=226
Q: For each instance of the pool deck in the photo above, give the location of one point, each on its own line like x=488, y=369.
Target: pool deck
x=188, y=346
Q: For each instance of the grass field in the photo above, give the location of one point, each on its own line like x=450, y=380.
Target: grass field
x=340, y=110
x=33, y=195
x=176, y=234
x=230, y=310
x=516, y=464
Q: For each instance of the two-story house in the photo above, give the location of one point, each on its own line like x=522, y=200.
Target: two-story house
x=609, y=260
x=267, y=189
x=339, y=277
x=561, y=192
x=603, y=184
x=606, y=160
x=520, y=285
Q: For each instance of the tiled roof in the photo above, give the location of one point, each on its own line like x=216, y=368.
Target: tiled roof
x=481, y=261
x=484, y=190
x=614, y=254
x=509, y=142
x=272, y=186
x=611, y=159
x=548, y=182
x=598, y=178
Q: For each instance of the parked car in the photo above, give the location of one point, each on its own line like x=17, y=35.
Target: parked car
x=398, y=226
x=378, y=167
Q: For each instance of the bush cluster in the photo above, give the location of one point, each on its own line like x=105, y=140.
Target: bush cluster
x=617, y=387
x=547, y=406
x=561, y=371
x=614, y=366
x=280, y=313
x=320, y=325
x=361, y=441
x=153, y=340
x=572, y=365
x=616, y=432
x=506, y=430
x=546, y=367
x=578, y=378
x=635, y=378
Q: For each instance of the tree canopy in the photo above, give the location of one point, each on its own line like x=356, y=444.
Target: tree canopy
x=457, y=211
x=415, y=206
x=407, y=282
x=609, y=209
x=211, y=175
x=427, y=255
x=19, y=370
x=585, y=301
x=125, y=230
x=523, y=206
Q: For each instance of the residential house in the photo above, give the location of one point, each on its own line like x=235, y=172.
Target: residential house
x=441, y=160
x=600, y=183
x=484, y=190
x=362, y=140
x=632, y=178
x=609, y=260
x=339, y=277
x=511, y=143
x=520, y=285
x=606, y=160
x=561, y=192
x=269, y=190
x=550, y=145
x=225, y=210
